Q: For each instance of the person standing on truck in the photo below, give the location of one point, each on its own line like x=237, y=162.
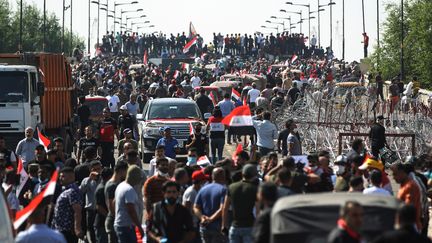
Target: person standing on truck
x=83, y=113
x=107, y=129
x=26, y=147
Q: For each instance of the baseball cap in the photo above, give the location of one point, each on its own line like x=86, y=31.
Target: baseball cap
x=127, y=130
x=371, y=163
x=199, y=175
x=123, y=108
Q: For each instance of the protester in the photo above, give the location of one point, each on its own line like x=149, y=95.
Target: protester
x=26, y=147
x=348, y=225
x=267, y=196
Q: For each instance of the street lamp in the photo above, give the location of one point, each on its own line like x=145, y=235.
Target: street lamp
x=299, y=13
x=309, y=15
x=98, y=19
x=330, y=4
x=119, y=4
x=269, y=27
x=107, y=14
x=289, y=20
x=128, y=11
x=143, y=27
x=137, y=17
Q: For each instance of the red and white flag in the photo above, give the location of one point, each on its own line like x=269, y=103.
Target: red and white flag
x=23, y=214
x=236, y=152
x=43, y=140
x=294, y=58
x=192, y=31
x=203, y=161
x=245, y=101
x=176, y=74
x=213, y=99
x=191, y=129
x=269, y=69
x=145, y=58
x=239, y=117
x=190, y=44
x=41, y=72
x=23, y=176
x=235, y=95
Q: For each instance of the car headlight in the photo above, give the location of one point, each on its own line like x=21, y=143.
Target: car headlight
x=151, y=131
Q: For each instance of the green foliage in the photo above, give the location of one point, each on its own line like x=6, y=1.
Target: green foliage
x=417, y=42
x=33, y=29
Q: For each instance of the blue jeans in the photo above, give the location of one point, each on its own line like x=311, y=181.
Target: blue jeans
x=240, y=235
x=217, y=144
x=125, y=234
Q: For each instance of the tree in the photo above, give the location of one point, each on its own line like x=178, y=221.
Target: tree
x=32, y=31
x=417, y=42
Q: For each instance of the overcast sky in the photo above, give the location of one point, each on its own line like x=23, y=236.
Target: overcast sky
x=231, y=16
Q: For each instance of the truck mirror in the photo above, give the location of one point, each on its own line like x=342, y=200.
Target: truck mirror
x=40, y=88
x=140, y=117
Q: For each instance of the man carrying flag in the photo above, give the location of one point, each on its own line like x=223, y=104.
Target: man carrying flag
x=198, y=140
x=188, y=45
x=240, y=122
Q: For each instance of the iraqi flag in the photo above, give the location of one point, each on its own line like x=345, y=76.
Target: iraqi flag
x=192, y=31
x=294, y=58
x=145, y=58
x=191, y=129
x=203, y=161
x=43, y=140
x=213, y=99
x=23, y=176
x=235, y=95
x=176, y=74
x=239, y=117
x=23, y=214
x=189, y=44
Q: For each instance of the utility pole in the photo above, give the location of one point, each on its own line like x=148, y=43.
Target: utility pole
x=343, y=30
x=44, y=26
x=88, y=38
x=402, y=71
x=63, y=27
x=71, y=33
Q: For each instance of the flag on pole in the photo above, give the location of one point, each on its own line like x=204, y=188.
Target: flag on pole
x=23, y=214
x=236, y=152
x=192, y=31
x=235, y=95
x=294, y=58
x=176, y=74
x=213, y=99
x=23, y=176
x=145, y=58
x=191, y=129
x=43, y=140
x=239, y=117
x=203, y=161
x=189, y=44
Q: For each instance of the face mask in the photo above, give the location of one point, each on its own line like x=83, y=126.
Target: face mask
x=163, y=174
x=171, y=200
x=192, y=160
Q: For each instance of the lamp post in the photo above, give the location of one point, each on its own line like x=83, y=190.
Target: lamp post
x=119, y=4
x=343, y=29
x=144, y=27
x=105, y=8
x=269, y=27
x=309, y=16
x=88, y=33
x=277, y=23
x=378, y=33
x=299, y=13
x=330, y=4
x=44, y=26
x=283, y=19
x=71, y=33
x=127, y=11
x=402, y=64
x=20, y=48
x=137, y=17
x=98, y=19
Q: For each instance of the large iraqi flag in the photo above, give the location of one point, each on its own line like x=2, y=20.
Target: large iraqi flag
x=23, y=214
x=190, y=44
x=239, y=117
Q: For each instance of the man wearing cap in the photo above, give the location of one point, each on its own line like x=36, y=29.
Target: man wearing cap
x=170, y=143
x=127, y=133
x=242, y=196
x=373, y=164
x=125, y=121
x=377, y=136
x=199, y=179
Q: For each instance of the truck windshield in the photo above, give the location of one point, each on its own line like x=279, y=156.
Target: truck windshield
x=13, y=86
x=164, y=111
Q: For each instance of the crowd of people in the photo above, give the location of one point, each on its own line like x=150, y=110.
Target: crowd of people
x=161, y=45
x=106, y=194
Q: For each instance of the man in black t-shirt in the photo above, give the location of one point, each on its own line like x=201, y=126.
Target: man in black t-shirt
x=198, y=140
x=88, y=141
x=126, y=121
x=101, y=207
x=377, y=136
x=282, y=139
x=83, y=113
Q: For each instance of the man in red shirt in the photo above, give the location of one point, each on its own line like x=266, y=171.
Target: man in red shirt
x=409, y=192
x=365, y=44
x=107, y=130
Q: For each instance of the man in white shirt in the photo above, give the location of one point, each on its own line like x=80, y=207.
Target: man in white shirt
x=252, y=95
x=113, y=104
x=159, y=153
x=376, y=180
x=195, y=80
